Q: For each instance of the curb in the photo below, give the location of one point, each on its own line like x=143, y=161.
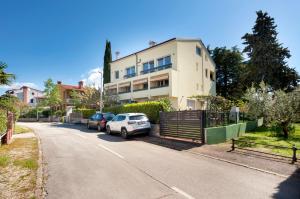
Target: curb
x=240, y=164
x=39, y=189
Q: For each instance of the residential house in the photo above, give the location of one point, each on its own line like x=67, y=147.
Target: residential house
x=27, y=95
x=65, y=92
x=176, y=68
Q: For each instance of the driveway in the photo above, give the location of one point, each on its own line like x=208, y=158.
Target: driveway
x=86, y=164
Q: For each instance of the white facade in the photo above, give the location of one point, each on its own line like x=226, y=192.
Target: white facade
x=177, y=69
x=27, y=95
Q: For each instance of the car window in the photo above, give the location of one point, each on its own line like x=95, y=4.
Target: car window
x=99, y=116
x=115, y=118
x=138, y=117
x=121, y=117
x=108, y=117
x=94, y=116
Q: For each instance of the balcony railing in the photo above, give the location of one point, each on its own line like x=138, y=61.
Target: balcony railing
x=121, y=92
x=154, y=87
x=140, y=89
x=158, y=68
x=129, y=75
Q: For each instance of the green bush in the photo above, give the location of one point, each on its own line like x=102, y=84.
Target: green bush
x=151, y=109
x=86, y=113
x=3, y=121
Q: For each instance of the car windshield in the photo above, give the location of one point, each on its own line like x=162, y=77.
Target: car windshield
x=138, y=117
x=108, y=116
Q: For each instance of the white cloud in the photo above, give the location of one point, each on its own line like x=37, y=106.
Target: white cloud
x=17, y=85
x=92, y=78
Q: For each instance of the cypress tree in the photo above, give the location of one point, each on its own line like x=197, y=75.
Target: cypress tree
x=267, y=57
x=106, y=64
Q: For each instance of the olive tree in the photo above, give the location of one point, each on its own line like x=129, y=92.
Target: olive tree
x=278, y=108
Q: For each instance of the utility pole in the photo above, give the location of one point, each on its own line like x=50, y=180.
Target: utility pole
x=100, y=89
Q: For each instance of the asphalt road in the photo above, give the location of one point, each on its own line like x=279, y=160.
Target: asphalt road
x=83, y=163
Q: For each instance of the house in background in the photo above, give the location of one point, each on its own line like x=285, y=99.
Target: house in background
x=176, y=69
x=65, y=92
x=27, y=95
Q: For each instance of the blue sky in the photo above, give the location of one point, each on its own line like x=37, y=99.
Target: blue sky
x=65, y=39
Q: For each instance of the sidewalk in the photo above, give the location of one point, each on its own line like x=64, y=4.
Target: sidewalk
x=260, y=161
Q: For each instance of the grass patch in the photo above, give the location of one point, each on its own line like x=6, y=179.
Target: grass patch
x=21, y=129
x=4, y=161
x=21, y=163
x=263, y=135
x=27, y=163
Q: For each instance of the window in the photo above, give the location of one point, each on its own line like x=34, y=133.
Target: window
x=198, y=50
x=164, y=61
x=130, y=70
x=163, y=83
x=212, y=76
x=138, y=117
x=206, y=73
x=117, y=74
x=121, y=118
x=148, y=65
x=31, y=101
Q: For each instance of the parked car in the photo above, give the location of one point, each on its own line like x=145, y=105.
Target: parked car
x=99, y=121
x=129, y=124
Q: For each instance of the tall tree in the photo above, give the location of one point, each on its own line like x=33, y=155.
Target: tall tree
x=5, y=78
x=53, y=98
x=106, y=64
x=229, y=67
x=267, y=57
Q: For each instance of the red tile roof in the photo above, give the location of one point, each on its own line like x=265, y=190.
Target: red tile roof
x=70, y=87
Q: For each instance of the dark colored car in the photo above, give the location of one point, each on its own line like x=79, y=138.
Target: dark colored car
x=99, y=121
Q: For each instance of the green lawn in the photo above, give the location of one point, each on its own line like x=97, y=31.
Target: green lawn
x=21, y=129
x=262, y=135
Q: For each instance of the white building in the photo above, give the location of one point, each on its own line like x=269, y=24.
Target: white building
x=176, y=68
x=28, y=95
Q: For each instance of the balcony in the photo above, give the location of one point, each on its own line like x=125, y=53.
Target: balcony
x=160, y=86
x=158, y=68
x=129, y=75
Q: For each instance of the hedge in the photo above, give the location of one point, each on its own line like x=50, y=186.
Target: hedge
x=151, y=109
x=86, y=113
x=3, y=122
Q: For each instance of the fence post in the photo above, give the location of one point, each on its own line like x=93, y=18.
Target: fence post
x=294, y=158
x=233, y=144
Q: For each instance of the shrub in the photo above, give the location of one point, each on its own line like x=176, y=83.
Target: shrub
x=86, y=113
x=151, y=109
x=3, y=121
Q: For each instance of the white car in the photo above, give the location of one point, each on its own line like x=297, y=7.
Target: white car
x=129, y=124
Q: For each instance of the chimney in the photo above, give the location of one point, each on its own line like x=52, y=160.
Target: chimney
x=152, y=43
x=58, y=82
x=117, y=54
x=80, y=84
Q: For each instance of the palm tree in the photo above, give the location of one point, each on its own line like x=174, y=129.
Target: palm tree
x=5, y=78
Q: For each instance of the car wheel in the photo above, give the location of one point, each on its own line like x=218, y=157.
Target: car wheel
x=124, y=133
x=99, y=127
x=108, y=131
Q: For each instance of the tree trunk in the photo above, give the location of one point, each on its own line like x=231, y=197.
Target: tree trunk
x=285, y=130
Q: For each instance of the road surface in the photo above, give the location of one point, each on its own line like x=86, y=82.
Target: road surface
x=83, y=163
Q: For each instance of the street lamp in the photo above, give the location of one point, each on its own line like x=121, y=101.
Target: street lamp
x=101, y=84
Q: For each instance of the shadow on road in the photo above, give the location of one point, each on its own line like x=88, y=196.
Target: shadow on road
x=80, y=127
x=164, y=142
x=290, y=188
x=169, y=143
